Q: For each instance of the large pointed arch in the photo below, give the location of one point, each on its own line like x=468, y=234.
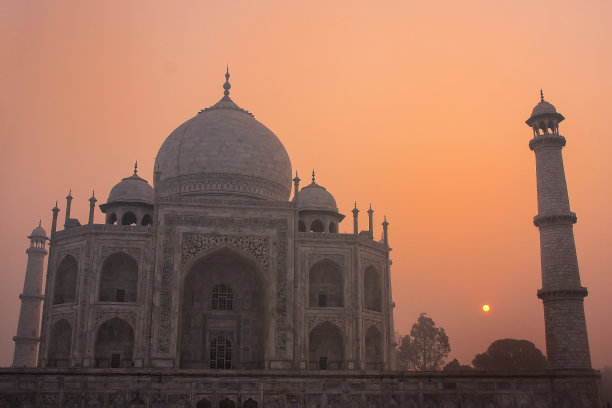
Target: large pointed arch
x=326, y=347
x=372, y=289
x=374, y=348
x=206, y=328
x=114, y=347
x=119, y=278
x=65, y=282
x=60, y=344
x=325, y=284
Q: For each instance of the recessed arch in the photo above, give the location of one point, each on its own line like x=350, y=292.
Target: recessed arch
x=227, y=403
x=326, y=347
x=111, y=218
x=119, y=279
x=60, y=342
x=326, y=284
x=317, y=226
x=129, y=218
x=202, y=320
x=250, y=403
x=65, y=284
x=373, y=349
x=203, y=403
x=333, y=228
x=146, y=220
x=114, y=347
x=372, y=293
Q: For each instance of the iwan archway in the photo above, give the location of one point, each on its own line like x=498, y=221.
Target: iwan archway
x=223, y=320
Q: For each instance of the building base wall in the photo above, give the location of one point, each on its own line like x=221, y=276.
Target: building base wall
x=161, y=388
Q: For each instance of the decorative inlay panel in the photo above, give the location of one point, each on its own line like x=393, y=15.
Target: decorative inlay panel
x=109, y=250
x=69, y=317
x=171, y=222
x=195, y=244
x=129, y=317
x=313, y=321
x=317, y=256
x=75, y=252
x=367, y=323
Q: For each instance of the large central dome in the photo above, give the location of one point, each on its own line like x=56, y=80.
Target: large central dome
x=223, y=151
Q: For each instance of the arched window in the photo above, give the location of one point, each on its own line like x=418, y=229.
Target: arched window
x=372, y=289
x=326, y=348
x=129, y=219
x=221, y=353
x=119, y=280
x=301, y=226
x=59, y=344
x=111, y=218
x=325, y=285
x=373, y=349
x=203, y=403
x=147, y=220
x=250, y=403
x=222, y=297
x=332, y=228
x=65, y=281
x=227, y=403
x=114, y=344
x=317, y=226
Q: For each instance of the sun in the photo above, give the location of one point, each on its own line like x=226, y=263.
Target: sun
x=486, y=308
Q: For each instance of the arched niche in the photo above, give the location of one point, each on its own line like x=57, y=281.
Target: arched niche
x=373, y=349
x=119, y=278
x=372, y=293
x=60, y=342
x=114, y=346
x=250, y=403
x=326, y=347
x=129, y=218
x=203, y=403
x=333, y=228
x=146, y=220
x=111, y=218
x=326, y=284
x=227, y=403
x=223, y=294
x=317, y=226
x=64, y=290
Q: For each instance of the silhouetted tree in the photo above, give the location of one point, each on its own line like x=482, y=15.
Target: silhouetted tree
x=510, y=355
x=425, y=348
x=456, y=366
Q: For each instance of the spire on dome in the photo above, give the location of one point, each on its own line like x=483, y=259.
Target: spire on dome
x=226, y=85
x=136, y=167
x=541, y=95
x=313, y=175
x=39, y=223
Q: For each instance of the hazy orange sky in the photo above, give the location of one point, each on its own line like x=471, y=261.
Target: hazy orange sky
x=415, y=107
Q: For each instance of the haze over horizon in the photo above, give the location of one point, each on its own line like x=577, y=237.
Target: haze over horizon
x=416, y=108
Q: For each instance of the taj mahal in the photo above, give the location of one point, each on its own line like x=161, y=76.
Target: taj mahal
x=226, y=283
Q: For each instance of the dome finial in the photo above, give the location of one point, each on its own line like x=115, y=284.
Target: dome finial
x=136, y=167
x=39, y=222
x=541, y=95
x=226, y=85
x=313, y=175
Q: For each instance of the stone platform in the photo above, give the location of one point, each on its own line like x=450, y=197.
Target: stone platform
x=161, y=388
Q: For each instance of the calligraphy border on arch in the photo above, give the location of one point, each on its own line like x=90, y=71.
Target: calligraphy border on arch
x=171, y=222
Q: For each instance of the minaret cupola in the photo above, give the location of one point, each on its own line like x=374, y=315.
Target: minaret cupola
x=317, y=208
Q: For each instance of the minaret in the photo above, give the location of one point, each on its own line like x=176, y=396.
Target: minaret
x=567, y=344
x=371, y=221
x=296, y=186
x=355, y=220
x=68, y=205
x=27, y=339
x=92, y=207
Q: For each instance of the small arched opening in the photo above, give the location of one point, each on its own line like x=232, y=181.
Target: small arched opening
x=65, y=281
x=326, y=347
x=114, y=344
x=325, y=284
x=333, y=228
x=372, y=289
x=373, y=349
x=203, y=403
x=250, y=403
x=317, y=226
x=111, y=218
x=147, y=220
x=227, y=403
x=301, y=226
x=119, y=279
x=60, y=342
x=129, y=219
